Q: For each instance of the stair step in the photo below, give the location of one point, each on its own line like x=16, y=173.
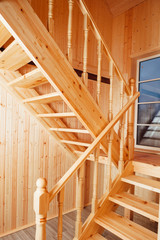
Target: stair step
x=102, y=159
x=124, y=228
x=72, y=130
x=47, y=98
x=13, y=57
x=132, y=202
x=78, y=143
x=5, y=35
x=96, y=236
x=142, y=182
x=57, y=115
x=146, y=169
x=29, y=80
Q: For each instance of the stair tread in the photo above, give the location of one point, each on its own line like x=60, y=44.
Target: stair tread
x=73, y=130
x=57, y=115
x=136, y=204
x=102, y=158
x=13, y=57
x=143, y=182
x=96, y=236
x=29, y=80
x=78, y=143
x=5, y=34
x=42, y=99
x=124, y=228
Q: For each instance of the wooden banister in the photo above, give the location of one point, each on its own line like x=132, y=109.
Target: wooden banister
x=60, y=184
x=85, y=10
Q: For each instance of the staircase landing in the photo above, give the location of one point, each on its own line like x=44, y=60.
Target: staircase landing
x=149, y=158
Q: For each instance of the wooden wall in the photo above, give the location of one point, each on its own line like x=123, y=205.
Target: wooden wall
x=28, y=152
x=136, y=33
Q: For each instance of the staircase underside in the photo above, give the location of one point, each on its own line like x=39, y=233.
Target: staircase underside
x=30, y=42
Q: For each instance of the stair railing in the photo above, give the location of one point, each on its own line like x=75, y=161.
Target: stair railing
x=42, y=197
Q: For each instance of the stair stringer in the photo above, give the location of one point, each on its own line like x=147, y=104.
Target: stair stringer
x=105, y=205
x=20, y=19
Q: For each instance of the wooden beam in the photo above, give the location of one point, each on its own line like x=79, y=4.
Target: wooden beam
x=5, y=35
x=13, y=57
x=29, y=80
x=57, y=115
x=89, y=150
x=47, y=98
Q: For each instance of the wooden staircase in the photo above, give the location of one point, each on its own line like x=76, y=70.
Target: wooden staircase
x=121, y=226
x=21, y=49
x=35, y=49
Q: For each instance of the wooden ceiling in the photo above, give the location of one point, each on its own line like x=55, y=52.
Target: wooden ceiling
x=118, y=7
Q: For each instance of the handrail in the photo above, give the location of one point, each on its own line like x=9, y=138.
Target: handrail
x=85, y=9
x=58, y=186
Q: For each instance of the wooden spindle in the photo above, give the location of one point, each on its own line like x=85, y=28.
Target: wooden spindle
x=110, y=117
x=121, y=159
x=99, y=69
x=131, y=124
x=50, y=17
x=85, y=51
x=78, y=225
x=41, y=206
x=70, y=15
x=95, y=180
x=60, y=198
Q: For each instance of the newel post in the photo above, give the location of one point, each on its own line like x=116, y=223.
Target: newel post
x=41, y=206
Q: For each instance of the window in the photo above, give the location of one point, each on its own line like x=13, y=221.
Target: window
x=148, y=104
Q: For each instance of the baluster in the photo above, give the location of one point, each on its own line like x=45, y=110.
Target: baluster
x=41, y=206
x=110, y=117
x=97, y=150
x=78, y=225
x=50, y=16
x=60, y=199
x=69, y=53
x=131, y=124
x=99, y=52
x=85, y=51
x=121, y=159
x=95, y=180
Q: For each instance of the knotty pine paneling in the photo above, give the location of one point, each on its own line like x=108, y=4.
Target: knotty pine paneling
x=28, y=152
x=136, y=34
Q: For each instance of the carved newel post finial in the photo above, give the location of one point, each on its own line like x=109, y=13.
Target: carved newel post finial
x=41, y=206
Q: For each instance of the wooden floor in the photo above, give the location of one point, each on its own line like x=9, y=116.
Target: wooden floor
x=68, y=227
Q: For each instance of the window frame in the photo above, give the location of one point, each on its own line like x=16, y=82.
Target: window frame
x=136, y=106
